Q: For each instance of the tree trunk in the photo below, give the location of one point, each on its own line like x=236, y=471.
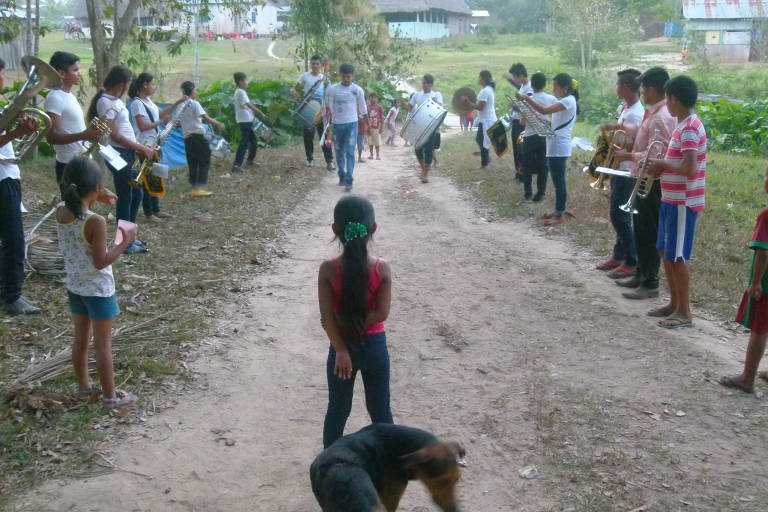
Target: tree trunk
x=581, y=47
x=28, y=39
x=36, y=50
x=106, y=55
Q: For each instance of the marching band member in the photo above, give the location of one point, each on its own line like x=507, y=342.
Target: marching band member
x=306, y=81
x=623, y=263
x=68, y=127
x=657, y=124
x=486, y=105
x=426, y=153
x=195, y=146
x=346, y=102
x=683, y=178
x=11, y=228
x=518, y=77
x=244, y=115
x=147, y=118
x=107, y=104
x=559, y=146
x=535, y=146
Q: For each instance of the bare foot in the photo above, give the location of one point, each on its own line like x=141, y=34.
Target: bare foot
x=736, y=382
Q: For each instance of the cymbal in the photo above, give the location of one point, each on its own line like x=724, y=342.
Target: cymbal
x=459, y=106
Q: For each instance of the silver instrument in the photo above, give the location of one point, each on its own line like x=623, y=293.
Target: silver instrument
x=536, y=121
x=613, y=172
x=39, y=76
x=644, y=181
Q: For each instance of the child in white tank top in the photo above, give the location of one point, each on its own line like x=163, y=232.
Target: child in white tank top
x=90, y=283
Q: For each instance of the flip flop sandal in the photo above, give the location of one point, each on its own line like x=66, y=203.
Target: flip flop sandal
x=658, y=313
x=547, y=216
x=674, y=323
x=729, y=382
x=763, y=375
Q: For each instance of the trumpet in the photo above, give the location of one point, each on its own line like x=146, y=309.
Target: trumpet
x=103, y=126
x=39, y=76
x=536, y=121
x=644, y=181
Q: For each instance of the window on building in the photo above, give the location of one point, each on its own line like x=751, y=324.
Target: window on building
x=400, y=17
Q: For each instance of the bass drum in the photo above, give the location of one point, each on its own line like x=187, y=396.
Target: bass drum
x=261, y=130
x=307, y=112
x=423, y=122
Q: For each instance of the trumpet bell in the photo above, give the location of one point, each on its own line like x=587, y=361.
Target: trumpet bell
x=458, y=105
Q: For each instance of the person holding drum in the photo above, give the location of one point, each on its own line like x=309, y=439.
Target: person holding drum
x=307, y=81
x=245, y=113
x=346, y=102
x=486, y=105
x=425, y=154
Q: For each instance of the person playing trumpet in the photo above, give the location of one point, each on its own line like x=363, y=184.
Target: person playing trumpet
x=657, y=124
x=11, y=228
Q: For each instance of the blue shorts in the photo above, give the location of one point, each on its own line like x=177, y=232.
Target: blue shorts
x=677, y=226
x=96, y=308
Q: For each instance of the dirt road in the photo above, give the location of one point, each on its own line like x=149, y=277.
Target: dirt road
x=501, y=339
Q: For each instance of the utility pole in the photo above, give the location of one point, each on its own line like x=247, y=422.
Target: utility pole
x=196, y=76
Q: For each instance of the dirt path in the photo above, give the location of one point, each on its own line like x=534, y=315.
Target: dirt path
x=499, y=338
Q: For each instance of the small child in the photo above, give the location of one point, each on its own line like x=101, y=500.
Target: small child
x=391, y=121
x=753, y=311
x=90, y=284
x=362, y=132
x=355, y=292
x=196, y=147
x=376, y=126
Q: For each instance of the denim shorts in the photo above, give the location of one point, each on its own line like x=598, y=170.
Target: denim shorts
x=96, y=308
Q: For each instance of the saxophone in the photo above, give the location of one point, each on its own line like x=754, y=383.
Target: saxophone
x=153, y=184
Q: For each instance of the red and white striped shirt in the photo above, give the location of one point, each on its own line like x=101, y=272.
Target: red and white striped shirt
x=677, y=189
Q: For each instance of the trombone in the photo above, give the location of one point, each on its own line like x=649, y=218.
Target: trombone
x=644, y=181
x=39, y=76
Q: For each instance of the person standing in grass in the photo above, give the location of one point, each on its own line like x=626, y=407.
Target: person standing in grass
x=196, y=147
x=346, y=102
x=753, y=311
x=683, y=175
x=245, y=113
x=486, y=105
x=90, y=284
x=559, y=145
x=534, y=146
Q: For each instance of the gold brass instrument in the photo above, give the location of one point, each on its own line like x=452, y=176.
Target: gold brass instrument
x=535, y=120
x=459, y=106
x=39, y=76
x=153, y=184
x=605, y=156
x=103, y=126
x=644, y=181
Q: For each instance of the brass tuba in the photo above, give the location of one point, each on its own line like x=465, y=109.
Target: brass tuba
x=39, y=76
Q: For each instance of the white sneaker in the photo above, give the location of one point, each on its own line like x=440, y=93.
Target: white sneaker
x=310, y=163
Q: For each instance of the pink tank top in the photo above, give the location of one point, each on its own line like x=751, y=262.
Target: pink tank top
x=373, y=288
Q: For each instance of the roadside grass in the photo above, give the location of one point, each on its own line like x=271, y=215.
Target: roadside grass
x=198, y=260
x=721, y=258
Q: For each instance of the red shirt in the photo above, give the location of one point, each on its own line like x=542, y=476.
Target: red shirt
x=376, y=115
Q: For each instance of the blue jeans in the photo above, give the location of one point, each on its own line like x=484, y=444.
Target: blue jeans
x=128, y=198
x=625, y=249
x=372, y=360
x=344, y=142
x=557, y=167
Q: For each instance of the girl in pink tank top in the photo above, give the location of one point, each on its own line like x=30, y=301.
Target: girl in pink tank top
x=354, y=294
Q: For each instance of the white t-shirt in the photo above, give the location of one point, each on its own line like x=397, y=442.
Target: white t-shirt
x=634, y=116
x=346, y=103
x=546, y=100
x=122, y=120
x=242, y=113
x=71, y=120
x=525, y=90
x=307, y=80
x=487, y=116
x=141, y=108
x=191, y=120
x=420, y=97
x=562, y=123
x=8, y=170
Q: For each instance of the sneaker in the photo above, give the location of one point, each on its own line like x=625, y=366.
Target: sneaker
x=164, y=215
x=348, y=188
x=632, y=282
x=154, y=219
x=361, y=160
x=201, y=192
x=330, y=166
x=22, y=306
x=608, y=265
x=641, y=293
x=538, y=198
x=253, y=163
x=236, y=169
x=310, y=163
x=135, y=248
x=621, y=271
x=528, y=198
x=122, y=399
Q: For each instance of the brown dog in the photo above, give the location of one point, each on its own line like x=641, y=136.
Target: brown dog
x=369, y=470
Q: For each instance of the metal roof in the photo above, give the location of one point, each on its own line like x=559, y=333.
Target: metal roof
x=725, y=9
x=480, y=14
x=454, y=6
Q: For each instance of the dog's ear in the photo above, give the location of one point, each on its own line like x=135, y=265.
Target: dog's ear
x=415, y=458
x=458, y=450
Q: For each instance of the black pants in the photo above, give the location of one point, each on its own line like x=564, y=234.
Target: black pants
x=485, y=155
x=150, y=204
x=12, y=238
x=309, y=144
x=517, y=149
x=534, y=162
x=247, y=143
x=426, y=153
x=198, y=159
x=128, y=198
x=60, y=174
x=646, y=225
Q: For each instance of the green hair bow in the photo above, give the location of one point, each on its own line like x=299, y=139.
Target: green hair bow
x=354, y=230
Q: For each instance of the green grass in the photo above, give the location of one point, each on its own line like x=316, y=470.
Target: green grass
x=721, y=259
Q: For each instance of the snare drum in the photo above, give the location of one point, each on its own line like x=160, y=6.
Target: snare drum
x=307, y=112
x=423, y=122
x=220, y=148
x=261, y=130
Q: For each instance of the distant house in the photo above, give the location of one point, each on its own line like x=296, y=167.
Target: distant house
x=13, y=51
x=426, y=19
x=732, y=31
x=479, y=18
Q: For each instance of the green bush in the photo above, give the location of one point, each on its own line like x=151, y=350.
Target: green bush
x=486, y=34
x=736, y=127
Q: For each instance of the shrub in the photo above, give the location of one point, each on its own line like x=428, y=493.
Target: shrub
x=736, y=127
x=486, y=34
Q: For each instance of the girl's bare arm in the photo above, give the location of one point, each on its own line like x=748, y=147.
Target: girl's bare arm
x=383, y=297
x=96, y=235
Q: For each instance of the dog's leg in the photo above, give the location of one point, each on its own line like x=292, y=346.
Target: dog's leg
x=391, y=492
